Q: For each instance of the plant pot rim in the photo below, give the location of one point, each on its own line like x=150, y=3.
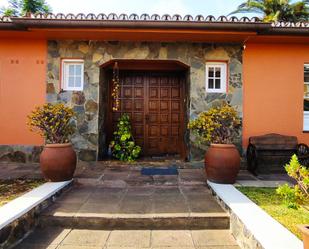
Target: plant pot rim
x=58, y=145
x=223, y=145
x=304, y=229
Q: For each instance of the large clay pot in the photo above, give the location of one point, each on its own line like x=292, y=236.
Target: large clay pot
x=305, y=231
x=58, y=162
x=222, y=163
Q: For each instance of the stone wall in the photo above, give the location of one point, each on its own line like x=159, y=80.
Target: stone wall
x=20, y=153
x=86, y=104
x=21, y=227
x=245, y=239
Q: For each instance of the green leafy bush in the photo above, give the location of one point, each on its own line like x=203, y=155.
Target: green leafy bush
x=298, y=194
x=217, y=125
x=123, y=146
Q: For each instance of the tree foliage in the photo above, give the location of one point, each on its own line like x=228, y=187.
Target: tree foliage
x=25, y=7
x=277, y=10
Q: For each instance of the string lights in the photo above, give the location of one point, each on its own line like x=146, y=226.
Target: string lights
x=116, y=88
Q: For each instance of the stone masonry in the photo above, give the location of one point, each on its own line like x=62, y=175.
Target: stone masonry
x=87, y=103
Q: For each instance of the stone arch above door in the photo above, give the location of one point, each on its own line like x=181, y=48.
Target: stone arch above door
x=154, y=95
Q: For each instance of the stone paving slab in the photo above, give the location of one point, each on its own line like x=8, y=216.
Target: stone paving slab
x=59, y=238
x=182, y=206
x=119, y=174
x=246, y=179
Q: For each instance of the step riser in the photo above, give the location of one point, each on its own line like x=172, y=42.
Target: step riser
x=138, y=223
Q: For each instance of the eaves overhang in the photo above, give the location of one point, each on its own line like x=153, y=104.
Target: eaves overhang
x=53, y=23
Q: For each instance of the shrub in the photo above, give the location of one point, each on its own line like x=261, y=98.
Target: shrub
x=123, y=146
x=298, y=194
x=53, y=122
x=217, y=125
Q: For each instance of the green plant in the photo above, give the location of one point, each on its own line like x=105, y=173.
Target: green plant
x=25, y=7
x=123, y=146
x=269, y=201
x=299, y=193
x=217, y=125
x=53, y=122
x=276, y=10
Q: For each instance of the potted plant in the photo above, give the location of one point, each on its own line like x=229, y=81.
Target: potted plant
x=54, y=123
x=123, y=146
x=297, y=196
x=218, y=127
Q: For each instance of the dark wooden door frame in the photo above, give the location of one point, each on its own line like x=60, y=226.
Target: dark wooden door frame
x=172, y=67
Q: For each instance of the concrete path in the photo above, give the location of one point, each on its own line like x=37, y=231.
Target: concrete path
x=61, y=238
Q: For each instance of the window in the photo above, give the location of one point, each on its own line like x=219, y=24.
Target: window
x=73, y=75
x=216, y=77
x=306, y=97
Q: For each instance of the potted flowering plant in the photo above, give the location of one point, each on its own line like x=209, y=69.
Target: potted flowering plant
x=54, y=123
x=218, y=127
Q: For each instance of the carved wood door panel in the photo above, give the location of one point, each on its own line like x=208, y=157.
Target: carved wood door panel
x=154, y=102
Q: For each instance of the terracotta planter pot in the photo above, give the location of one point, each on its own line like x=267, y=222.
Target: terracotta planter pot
x=305, y=231
x=222, y=163
x=58, y=162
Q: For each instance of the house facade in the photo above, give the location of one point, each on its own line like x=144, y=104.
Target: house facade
x=170, y=69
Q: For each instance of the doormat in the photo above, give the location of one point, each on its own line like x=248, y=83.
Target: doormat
x=160, y=171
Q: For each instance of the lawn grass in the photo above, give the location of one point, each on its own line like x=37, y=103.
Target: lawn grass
x=11, y=189
x=268, y=200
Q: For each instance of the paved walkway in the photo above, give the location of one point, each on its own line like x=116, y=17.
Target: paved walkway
x=141, y=207
x=114, y=206
x=92, y=173
x=246, y=179
x=122, y=197
x=61, y=238
x=117, y=207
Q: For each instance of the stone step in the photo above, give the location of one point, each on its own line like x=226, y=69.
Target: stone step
x=142, y=207
x=136, y=222
x=57, y=237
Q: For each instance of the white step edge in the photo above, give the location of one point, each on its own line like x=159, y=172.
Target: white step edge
x=21, y=205
x=266, y=230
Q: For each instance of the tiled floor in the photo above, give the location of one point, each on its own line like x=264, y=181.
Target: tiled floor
x=60, y=238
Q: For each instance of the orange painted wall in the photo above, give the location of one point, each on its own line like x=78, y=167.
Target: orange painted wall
x=22, y=87
x=273, y=90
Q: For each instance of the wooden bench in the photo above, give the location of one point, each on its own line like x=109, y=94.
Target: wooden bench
x=275, y=146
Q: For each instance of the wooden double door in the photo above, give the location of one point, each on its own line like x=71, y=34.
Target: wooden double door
x=155, y=103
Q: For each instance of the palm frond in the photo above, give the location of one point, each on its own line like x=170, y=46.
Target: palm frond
x=247, y=10
x=276, y=10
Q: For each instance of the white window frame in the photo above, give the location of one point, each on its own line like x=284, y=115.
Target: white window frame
x=306, y=113
x=64, y=72
x=223, y=77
